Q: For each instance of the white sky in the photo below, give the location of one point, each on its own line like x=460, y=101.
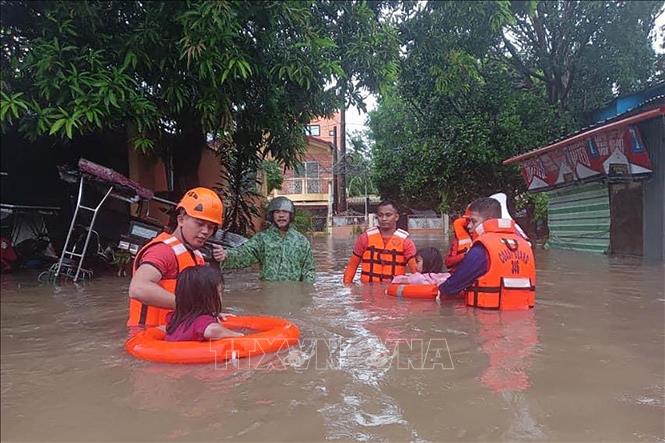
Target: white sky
x=355, y=119
x=660, y=33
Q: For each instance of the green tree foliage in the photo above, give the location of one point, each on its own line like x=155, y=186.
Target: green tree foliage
x=365, y=47
x=67, y=69
x=475, y=88
x=537, y=203
x=582, y=52
x=171, y=72
x=304, y=221
x=239, y=187
x=274, y=176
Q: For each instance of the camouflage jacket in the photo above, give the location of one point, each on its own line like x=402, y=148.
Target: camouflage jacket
x=282, y=258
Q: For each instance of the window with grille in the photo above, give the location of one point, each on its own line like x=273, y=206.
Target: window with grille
x=307, y=170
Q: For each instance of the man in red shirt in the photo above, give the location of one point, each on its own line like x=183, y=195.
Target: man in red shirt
x=384, y=251
x=158, y=263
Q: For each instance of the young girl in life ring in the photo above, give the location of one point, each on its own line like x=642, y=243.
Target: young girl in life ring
x=429, y=264
x=198, y=306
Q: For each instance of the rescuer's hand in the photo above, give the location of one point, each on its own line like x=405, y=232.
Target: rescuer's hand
x=218, y=253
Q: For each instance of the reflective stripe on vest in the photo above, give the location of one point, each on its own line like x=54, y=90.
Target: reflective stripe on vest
x=381, y=262
x=510, y=282
x=141, y=314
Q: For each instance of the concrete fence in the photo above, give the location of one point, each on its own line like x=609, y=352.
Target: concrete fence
x=415, y=223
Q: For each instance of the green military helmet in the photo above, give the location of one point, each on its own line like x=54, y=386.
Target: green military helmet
x=281, y=203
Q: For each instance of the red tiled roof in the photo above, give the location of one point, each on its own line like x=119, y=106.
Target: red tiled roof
x=318, y=140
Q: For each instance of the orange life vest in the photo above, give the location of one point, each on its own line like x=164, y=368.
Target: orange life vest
x=510, y=282
x=141, y=314
x=460, y=245
x=381, y=261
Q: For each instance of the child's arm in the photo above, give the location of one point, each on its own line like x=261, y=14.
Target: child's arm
x=410, y=252
x=401, y=280
x=411, y=264
x=215, y=331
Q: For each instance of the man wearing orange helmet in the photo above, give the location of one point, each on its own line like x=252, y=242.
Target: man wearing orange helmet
x=158, y=263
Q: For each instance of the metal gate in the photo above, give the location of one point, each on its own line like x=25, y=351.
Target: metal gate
x=579, y=218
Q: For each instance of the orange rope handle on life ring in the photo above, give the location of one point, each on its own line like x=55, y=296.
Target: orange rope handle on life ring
x=273, y=334
x=413, y=291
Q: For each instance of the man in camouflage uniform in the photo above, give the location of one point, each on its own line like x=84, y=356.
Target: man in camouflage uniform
x=283, y=253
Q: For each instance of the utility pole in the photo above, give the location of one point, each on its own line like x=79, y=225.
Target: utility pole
x=366, y=203
x=335, y=192
x=341, y=183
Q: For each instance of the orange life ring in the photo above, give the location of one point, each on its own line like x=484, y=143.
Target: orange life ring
x=272, y=335
x=413, y=291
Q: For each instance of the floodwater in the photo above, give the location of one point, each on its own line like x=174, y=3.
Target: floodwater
x=587, y=364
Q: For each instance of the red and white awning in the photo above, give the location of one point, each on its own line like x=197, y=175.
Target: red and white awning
x=615, y=148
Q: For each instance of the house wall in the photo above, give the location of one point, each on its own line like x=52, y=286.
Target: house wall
x=580, y=216
x=209, y=169
x=326, y=125
x=147, y=170
x=322, y=156
x=310, y=191
x=653, y=134
x=151, y=173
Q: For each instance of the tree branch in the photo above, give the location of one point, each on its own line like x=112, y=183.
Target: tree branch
x=518, y=61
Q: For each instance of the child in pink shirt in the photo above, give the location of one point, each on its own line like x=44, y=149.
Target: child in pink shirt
x=198, y=306
x=429, y=264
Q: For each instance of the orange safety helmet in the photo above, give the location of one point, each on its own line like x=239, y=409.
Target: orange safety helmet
x=204, y=204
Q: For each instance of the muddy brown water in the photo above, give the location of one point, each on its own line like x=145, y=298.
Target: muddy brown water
x=587, y=364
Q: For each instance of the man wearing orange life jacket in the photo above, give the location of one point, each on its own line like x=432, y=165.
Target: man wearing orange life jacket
x=462, y=239
x=383, y=251
x=158, y=263
x=498, y=272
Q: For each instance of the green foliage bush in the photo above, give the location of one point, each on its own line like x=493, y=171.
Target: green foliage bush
x=304, y=221
x=274, y=175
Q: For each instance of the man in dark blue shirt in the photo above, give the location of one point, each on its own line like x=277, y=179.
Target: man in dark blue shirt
x=474, y=264
x=476, y=261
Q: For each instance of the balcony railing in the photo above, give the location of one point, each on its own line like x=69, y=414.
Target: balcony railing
x=295, y=186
